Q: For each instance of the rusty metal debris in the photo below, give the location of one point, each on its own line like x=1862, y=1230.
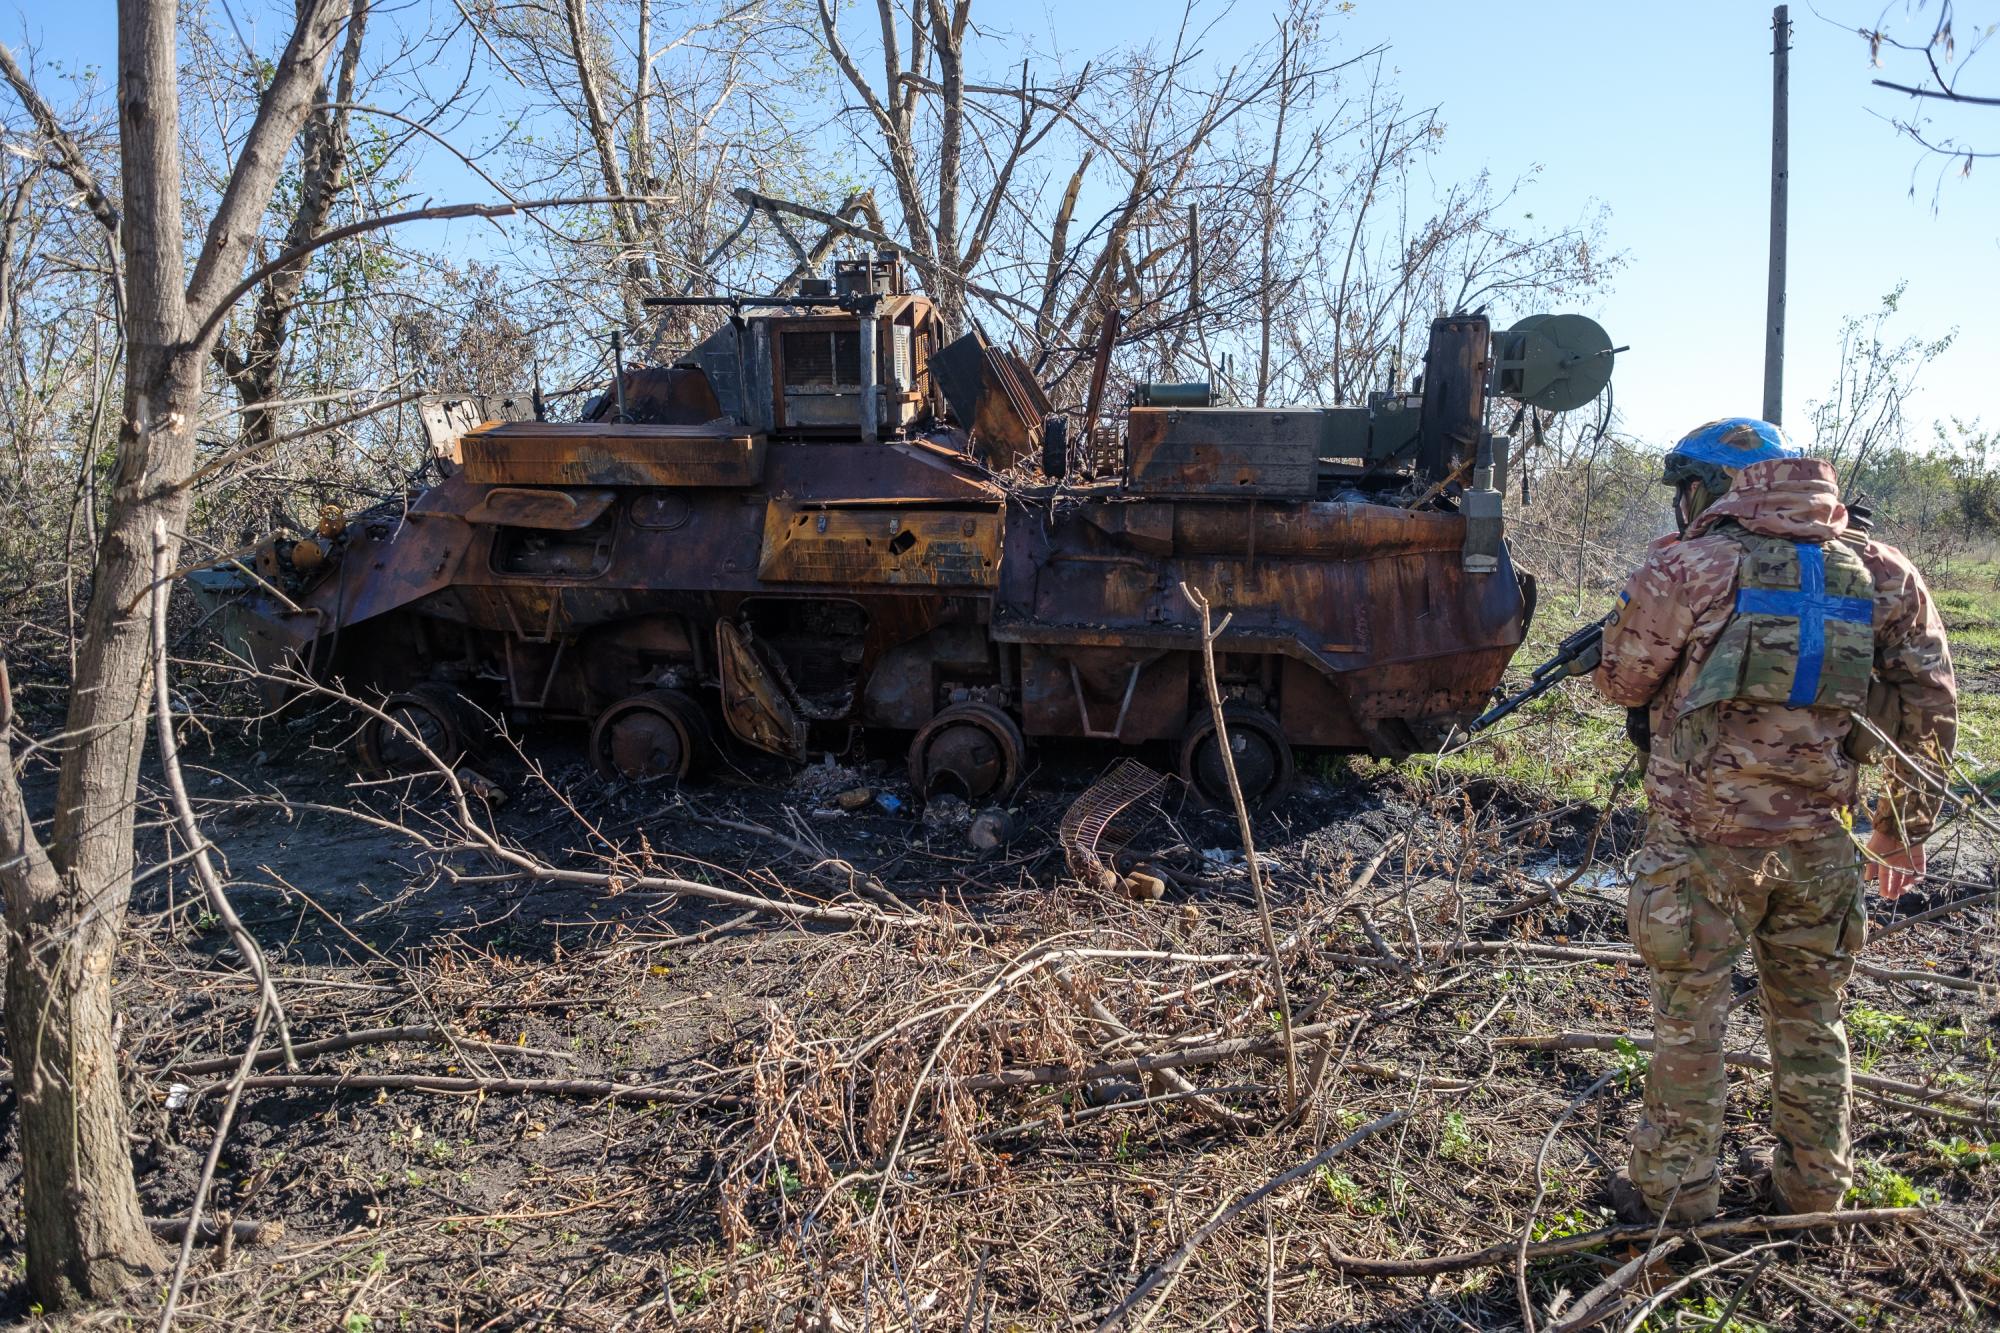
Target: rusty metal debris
x=1107, y=817
x=797, y=537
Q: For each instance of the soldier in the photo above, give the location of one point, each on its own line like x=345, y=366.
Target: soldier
x=1751, y=640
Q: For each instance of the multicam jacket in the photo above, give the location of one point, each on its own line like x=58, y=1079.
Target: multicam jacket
x=1756, y=763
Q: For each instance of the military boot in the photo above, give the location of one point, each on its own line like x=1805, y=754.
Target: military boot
x=1685, y=1209
x=1750, y=1186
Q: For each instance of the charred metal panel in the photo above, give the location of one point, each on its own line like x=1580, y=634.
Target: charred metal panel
x=993, y=395
x=555, y=554
x=735, y=362
x=917, y=471
x=880, y=544
x=1223, y=451
x=1454, y=394
x=1319, y=604
x=905, y=686
x=1104, y=693
x=388, y=564
x=539, y=507
x=1313, y=708
x=631, y=656
x=752, y=703
x=658, y=396
x=1327, y=531
x=591, y=453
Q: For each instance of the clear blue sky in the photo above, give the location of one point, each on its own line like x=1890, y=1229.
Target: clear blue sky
x=1662, y=112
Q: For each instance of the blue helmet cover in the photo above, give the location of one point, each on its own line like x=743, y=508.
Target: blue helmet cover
x=1733, y=442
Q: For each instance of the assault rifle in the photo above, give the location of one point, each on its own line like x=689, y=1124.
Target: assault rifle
x=1584, y=643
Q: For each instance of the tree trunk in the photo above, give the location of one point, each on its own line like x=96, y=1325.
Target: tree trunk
x=65, y=906
x=255, y=371
x=638, y=279
x=76, y=1165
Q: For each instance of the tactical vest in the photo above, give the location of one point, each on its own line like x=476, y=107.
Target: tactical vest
x=1802, y=634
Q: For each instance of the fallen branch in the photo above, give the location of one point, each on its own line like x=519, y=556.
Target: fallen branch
x=1668, y=1292
x=1884, y=1087
x=367, y=1037
x=449, y=1085
x=1576, y=954
x=1169, y=1270
x=208, y=1231
x=527, y=867
x=1503, y=1253
x=1880, y=973
x=858, y=880
x=1596, y=1304
x=1942, y=909
x=1210, y=1109
x=1037, y=1075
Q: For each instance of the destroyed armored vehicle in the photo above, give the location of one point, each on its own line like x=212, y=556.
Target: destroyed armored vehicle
x=825, y=523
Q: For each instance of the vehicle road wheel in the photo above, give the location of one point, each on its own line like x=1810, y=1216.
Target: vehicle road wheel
x=1263, y=756
x=658, y=734
x=432, y=713
x=969, y=750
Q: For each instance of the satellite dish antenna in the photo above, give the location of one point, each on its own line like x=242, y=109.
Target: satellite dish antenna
x=1554, y=362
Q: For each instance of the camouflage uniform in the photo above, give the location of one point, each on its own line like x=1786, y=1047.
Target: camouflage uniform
x=1753, y=761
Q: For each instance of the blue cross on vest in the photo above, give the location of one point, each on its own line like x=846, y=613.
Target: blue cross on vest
x=1812, y=608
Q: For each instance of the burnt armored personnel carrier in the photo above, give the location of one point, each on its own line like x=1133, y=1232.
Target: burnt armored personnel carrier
x=825, y=523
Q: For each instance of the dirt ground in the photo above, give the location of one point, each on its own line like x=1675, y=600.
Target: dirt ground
x=591, y=1096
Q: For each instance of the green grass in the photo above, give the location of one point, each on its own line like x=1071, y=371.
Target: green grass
x=1880, y=1028
x=1877, y=1186
x=1457, y=1142
x=1961, y=1154
x=1568, y=743
x=1570, y=1222
x=1970, y=607
x=1703, y=1312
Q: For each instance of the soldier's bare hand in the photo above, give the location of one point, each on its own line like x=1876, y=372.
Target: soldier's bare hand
x=1893, y=866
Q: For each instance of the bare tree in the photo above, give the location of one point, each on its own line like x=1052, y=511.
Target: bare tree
x=1936, y=68
x=925, y=99
x=1863, y=410
x=66, y=891
x=253, y=368
x=1261, y=214
x=676, y=108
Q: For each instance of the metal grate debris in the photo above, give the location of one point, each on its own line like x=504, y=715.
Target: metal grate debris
x=1104, y=820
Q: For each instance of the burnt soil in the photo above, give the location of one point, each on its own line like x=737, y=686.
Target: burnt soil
x=798, y=1060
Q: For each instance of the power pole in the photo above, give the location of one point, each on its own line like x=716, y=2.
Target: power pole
x=1774, y=301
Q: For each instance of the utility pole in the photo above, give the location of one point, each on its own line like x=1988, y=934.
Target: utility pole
x=1774, y=301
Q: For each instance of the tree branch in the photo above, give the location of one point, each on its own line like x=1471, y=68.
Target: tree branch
x=770, y=203
x=215, y=465
x=220, y=310
x=1942, y=94
x=280, y=113
x=69, y=157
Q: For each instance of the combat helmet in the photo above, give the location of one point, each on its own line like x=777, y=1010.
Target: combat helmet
x=1710, y=456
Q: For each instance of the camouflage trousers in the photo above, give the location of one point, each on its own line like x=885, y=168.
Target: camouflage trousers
x=1694, y=906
